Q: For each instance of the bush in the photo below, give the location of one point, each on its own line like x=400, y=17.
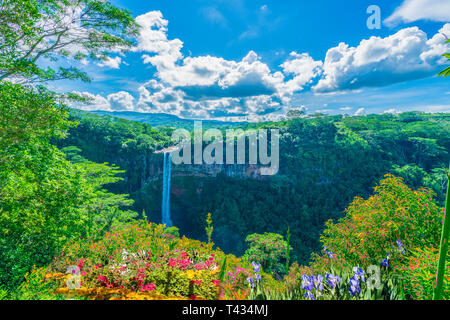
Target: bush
x=269, y=250
x=418, y=274
x=371, y=228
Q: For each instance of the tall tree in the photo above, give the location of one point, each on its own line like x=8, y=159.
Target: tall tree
x=32, y=31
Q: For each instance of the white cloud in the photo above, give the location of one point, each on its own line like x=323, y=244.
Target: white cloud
x=304, y=68
x=359, y=112
x=405, y=55
x=94, y=102
x=213, y=87
x=113, y=63
x=121, y=100
x=391, y=111
x=152, y=38
x=413, y=10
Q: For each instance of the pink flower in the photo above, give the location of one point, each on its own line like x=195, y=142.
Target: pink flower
x=216, y=282
x=80, y=264
x=148, y=287
x=198, y=282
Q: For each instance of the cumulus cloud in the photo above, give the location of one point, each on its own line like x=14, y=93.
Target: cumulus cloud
x=391, y=111
x=405, y=55
x=94, y=102
x=119, y=101
x=413, y=10
x=113, y=63
x=248, y=89
x=304, y=68
x=152, y=39
x=359, y=112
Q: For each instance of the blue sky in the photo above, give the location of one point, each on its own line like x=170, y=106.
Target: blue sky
x=256, y=60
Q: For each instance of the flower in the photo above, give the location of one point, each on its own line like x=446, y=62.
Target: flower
x=251, y=282
x=306, y=283
x=258, y=278
x=385, y=263
x=256, y=267
x=148, y=287
x=330, y=254
x=309, y=295
x=400, y=246
x=317, y=282
x=358, y=274
x=332, y=280
x=354, y=286
x=216, y=282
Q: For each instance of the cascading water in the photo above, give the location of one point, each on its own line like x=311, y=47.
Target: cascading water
x=165, y=205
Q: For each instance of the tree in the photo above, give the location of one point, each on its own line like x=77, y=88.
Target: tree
x=45, y=200
x=34, y=30
x=269, y=250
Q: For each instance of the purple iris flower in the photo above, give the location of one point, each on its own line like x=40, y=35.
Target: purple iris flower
x=318, y=282
x=309, y=295
x=307, y=283
x=250, y=281
x=256, y=267
x=385, y=263
x=258, y=278
x=358, y=274
x=354, y=286
x=400, y=246
x=332, y=280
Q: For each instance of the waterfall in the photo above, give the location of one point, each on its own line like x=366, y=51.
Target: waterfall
x=165, y=205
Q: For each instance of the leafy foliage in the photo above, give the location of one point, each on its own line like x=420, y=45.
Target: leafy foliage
x=268, y=249
x=371, y=228
x=53, y=29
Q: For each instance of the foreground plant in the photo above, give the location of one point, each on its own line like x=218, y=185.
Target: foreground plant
x=444, y=246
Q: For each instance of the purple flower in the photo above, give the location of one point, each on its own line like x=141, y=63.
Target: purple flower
x=332, y=280
x=358, y=274
x=309, y=295
x=400, y=246
x=251, y=282
x=256, y=267
x=330, y=255
x=385, y=263
x=258, y=278
x=354, y=286
x=306, y=283
x=317, y=282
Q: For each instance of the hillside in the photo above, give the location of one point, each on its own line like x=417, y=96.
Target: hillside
x=324, y=163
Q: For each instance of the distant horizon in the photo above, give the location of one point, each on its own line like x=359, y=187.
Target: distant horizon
x=246, y=121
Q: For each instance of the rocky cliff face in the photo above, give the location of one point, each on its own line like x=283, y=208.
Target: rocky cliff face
x=153, y=170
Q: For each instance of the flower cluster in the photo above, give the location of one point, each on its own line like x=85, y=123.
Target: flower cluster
x=354, y=283
x=310, y=283
x=328, y=253
x=256, y=270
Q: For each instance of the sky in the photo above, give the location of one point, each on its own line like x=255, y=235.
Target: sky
x=239, y=60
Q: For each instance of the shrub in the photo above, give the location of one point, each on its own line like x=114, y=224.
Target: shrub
x=418, y=274
x=371, y=228
x=269, y=250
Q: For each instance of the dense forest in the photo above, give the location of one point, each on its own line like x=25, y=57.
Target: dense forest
x=325, y=161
